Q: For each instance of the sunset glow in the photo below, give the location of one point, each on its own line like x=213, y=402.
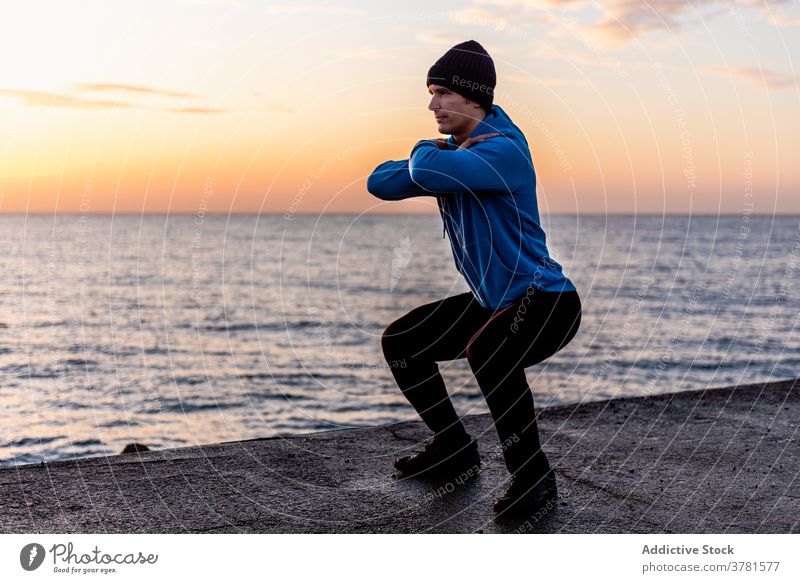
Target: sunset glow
x=628, y=107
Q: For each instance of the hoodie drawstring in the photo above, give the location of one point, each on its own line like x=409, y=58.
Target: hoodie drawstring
x=441, y=211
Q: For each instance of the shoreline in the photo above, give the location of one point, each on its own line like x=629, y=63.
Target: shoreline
x=721, y=460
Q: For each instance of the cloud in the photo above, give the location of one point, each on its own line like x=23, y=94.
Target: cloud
x=545, y=82
x=628, y=19
x=758, y=78
x=609, y=25
x=513, y=16
x=482, y=16
x=784, y=21
x=226, y=3
x=366, y=53
x=48, y=99
x=445, y=40
x=437, y=38
x=202, y=110
x=615, y=23
x=52, y=99
x=124, y=88
x=310, y=9
x=531, y=4
x=778, y=13
x=588, y=56
x=625, y=20
x=274, y=107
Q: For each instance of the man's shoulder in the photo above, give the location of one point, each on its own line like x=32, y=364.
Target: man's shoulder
x=508, y=143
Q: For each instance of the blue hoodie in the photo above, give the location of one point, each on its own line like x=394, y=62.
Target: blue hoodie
x=487, y=199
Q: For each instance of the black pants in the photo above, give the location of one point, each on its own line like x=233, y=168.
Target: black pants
x=499, y=345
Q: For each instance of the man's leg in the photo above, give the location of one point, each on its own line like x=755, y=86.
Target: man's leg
x=415, y=342
x=519, y=336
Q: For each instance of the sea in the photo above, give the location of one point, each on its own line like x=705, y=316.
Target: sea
x=176, y=330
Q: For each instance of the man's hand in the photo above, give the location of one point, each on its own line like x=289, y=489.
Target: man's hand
x=442, y=143
x=472, y=141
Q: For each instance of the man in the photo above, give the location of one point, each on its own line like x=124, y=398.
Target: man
x=521, y=308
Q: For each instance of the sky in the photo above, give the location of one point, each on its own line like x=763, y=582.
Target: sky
x=238, y=106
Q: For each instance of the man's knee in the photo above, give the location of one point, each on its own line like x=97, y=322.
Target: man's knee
x=476, y=353
x=394, y=353
x=391, y=341
x=487, y=355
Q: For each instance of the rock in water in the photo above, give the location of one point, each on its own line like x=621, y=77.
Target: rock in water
x=135, y=448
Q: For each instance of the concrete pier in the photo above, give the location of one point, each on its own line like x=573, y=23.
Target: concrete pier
x=723, y=460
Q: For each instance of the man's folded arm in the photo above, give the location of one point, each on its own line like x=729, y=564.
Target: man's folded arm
x=392, y=181
x=493, y=164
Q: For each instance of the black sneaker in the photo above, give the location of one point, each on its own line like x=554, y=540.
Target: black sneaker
x=441, y=458
x=528, y=494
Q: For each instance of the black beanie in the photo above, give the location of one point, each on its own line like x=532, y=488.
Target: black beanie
x=468, y=70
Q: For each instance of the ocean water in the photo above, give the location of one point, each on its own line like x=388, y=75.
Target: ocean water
x=176, y=330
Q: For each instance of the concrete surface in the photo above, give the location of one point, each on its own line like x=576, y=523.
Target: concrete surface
x=722, y=461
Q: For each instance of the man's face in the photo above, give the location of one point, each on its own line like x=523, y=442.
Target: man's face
x=453, y=112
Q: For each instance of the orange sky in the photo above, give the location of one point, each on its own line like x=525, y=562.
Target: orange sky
x=251, y=107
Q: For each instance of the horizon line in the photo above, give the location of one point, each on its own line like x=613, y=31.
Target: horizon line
x=309, y=214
